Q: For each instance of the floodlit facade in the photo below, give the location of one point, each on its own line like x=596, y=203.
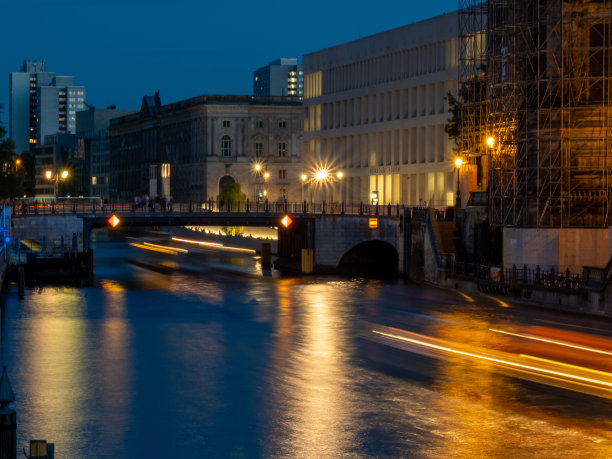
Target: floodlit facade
x=375, y=110
x=544, y=101
x=190, y=149
x=41, y=104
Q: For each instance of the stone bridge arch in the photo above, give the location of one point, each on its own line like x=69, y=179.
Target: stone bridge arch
x=373, y=258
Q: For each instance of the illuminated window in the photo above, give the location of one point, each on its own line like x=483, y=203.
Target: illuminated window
x=94, y=180
x=282, y=149
x=282, y=193
x=165, y=170
x=226, y=124
x=226, y=145
x=259, y=149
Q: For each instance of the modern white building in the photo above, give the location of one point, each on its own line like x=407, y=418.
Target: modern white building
x=41, y=104
x=375, y=110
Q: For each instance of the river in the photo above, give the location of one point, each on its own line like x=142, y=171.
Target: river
x=218, y=360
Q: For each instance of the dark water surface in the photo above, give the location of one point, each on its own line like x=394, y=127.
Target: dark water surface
x=216, y=363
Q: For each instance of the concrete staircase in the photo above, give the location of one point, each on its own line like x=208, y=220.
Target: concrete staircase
x=444, y=235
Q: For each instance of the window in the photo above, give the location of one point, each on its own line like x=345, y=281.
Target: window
x=94, y=180
x=282, y=174
x=282, y=124
x=226, y=123
x=258, y=149
x=282, y=193
x=226, y=145
x=282, y=149
x=258, y=124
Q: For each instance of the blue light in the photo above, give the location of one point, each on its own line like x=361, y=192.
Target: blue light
x=7, y=239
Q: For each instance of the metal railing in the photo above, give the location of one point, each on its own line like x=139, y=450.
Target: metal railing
x=28, y=207
x=514, y=275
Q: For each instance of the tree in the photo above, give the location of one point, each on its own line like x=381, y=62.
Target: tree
x=11, y=175
x=452, y=127
x=231, y=193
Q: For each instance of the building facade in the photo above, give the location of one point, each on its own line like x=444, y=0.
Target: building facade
x=375, y=110
x=41, y=104
x=188, y=149
x=94, y=146
x=282, y=77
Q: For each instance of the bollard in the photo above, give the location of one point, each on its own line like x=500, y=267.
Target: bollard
x=21, y=282
x=8, y=419
x=266, y=255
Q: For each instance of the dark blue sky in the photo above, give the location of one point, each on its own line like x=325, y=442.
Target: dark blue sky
x=122, y=49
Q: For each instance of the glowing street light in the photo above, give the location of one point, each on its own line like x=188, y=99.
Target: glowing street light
x=458, y=163
x=340, y=175
x=56, y=178
x=321, y=175
x=491, y=142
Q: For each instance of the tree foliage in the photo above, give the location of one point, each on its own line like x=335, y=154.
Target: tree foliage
x=452, y=126
x=11, y=174
x=232, y=193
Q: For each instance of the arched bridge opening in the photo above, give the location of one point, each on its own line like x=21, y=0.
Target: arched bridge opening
x=377, y=259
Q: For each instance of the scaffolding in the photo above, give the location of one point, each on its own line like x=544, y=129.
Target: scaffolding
x=548, y=92
x=472, y=88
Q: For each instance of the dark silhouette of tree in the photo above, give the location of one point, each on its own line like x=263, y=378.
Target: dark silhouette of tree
x=11, y=173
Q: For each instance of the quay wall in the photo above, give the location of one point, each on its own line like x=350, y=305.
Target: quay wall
x=558, y=248
x=50, y=227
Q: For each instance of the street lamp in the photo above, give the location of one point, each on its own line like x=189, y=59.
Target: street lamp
x=303, y=178
x=491, y=142
x=56, y=178
x=458, y=163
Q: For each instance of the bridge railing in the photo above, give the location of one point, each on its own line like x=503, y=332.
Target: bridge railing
x=31, y=207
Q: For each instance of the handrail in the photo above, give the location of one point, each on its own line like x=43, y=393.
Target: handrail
x=29, y=208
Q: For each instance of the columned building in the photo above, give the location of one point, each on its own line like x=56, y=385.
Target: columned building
x=375, y=110
x=189, y=149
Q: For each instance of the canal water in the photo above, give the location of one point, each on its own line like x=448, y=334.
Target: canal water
x=213, y=359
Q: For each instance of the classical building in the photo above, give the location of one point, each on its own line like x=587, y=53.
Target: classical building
x=41, y=104
x=282, y=77
x=375, y=110
x=189, y=148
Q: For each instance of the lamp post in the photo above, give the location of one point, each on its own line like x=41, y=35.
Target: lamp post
x=303, y=178
x=458, y=163
x=56, y=178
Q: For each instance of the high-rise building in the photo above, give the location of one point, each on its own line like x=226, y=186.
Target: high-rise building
x=282, y=77
x=93, y=146
x=41, y=104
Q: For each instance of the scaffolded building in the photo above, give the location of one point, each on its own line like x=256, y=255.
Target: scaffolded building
x=546, y=125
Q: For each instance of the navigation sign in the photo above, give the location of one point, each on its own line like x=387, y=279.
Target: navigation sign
x=113, y=221
x=287, y=221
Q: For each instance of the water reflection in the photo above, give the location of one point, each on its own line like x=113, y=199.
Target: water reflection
x=311, y=361
x=229, y=363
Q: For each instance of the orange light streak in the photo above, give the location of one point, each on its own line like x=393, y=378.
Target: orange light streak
x=552, y=341
x=509, y=363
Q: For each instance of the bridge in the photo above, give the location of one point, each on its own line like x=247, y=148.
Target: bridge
x=323, y=238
